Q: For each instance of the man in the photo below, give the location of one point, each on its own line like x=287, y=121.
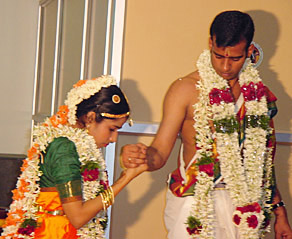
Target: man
x=224, y=186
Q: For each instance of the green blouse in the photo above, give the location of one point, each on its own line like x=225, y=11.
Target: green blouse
x=61, y=169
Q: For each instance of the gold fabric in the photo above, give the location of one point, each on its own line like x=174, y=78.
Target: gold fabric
x=70, y=191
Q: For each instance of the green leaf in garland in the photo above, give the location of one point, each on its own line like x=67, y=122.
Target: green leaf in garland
x=89, y=166
x=228, y=126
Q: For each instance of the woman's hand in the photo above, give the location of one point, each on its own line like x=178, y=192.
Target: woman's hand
x=131, y=173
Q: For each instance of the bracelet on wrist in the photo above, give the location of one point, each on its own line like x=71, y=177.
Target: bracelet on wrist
x=107, y=198
x=279, y=204
x=122, y=163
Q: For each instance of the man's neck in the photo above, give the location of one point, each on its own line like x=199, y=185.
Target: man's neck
x=235, y=88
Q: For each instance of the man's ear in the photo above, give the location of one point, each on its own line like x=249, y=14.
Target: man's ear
x=90, y=117
x=210, y=43
x=250, y=50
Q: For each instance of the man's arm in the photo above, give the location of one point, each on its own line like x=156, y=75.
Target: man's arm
x=175, y=106
x=174, y=112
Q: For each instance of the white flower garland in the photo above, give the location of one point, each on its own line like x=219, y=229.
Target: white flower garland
x=83, y=91
x=43, y=135
x=244, y=180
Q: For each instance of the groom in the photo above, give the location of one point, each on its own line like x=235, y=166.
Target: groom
x=224, y=186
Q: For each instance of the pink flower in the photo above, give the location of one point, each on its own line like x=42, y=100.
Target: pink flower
x=249, y=92
x=257, y=207
x=252, y=221
x=217, y=96
x=261, y=91
x=253, y=91
x=195, y=230
x=26, y=230
x=104, y=184
x=207, y=168
x=254, y=207
x=236, y=219
x=90, y=175
x=214, y=96
x=226, y=96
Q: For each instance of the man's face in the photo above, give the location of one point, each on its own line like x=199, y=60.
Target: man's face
x=228, y=61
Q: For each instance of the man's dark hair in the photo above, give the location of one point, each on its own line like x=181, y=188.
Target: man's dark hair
x=231, y=27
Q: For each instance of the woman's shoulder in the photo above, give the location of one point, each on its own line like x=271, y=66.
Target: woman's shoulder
x=61, y=145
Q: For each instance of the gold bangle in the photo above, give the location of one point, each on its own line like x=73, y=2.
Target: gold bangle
x=112, y=194
x=103, y=201
x=107, y=198
x=122, y=163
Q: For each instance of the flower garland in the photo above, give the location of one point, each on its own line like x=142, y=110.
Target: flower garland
x=21, y=218
x=83, y=91
x=244, y=175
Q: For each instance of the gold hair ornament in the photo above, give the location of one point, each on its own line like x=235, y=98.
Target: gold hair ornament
x=116, y=99
x=108, y=115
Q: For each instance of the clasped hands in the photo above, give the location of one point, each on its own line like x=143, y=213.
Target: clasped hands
x=133, y=156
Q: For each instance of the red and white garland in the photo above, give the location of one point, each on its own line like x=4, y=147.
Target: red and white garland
x=244, y=176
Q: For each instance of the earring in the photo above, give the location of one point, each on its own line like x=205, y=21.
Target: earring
x=87, y=128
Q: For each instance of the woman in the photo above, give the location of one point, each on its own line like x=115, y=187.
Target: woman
x=63, y=190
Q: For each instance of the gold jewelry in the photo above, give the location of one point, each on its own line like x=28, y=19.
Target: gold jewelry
x=131, y=122
x=108, y=115
x=107, y=198
x=87, y=128
x=112, y=194
x=122, y=163
x=103, y=201
x=116, y=99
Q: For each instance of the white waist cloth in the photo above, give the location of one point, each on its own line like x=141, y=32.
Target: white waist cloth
x=178, y=209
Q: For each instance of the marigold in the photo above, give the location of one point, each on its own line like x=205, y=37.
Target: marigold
x=79, y=83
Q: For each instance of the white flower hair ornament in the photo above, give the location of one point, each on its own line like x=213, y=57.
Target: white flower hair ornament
x=83, y=90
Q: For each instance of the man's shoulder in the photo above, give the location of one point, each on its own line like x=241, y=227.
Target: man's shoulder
x=193, y=76
x=188, y=81
x=184, y=89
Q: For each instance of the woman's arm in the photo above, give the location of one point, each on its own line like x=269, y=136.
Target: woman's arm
x=79, y=213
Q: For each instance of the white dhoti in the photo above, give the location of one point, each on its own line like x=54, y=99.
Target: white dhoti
x=178, y=209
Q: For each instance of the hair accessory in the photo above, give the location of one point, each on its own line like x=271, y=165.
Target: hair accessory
x=108, y=115
x=116, y=99
x=279, y=204
x=83, y=90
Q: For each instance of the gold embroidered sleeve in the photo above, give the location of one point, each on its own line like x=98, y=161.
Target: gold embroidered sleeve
x=70, y=191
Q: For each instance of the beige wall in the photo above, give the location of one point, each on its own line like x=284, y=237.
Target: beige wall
x=163, y=39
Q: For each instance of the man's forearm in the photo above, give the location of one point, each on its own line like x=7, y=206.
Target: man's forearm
x=154, y=160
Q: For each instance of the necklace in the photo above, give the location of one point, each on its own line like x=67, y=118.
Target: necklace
x=244, y=174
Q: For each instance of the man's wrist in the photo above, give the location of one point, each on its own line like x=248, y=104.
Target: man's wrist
x=277, y=205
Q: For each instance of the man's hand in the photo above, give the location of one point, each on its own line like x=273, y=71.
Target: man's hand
x=133, y=155
x=281, y=227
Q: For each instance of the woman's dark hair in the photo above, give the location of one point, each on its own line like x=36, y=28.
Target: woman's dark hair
x=231, y=27
x=102, y=102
